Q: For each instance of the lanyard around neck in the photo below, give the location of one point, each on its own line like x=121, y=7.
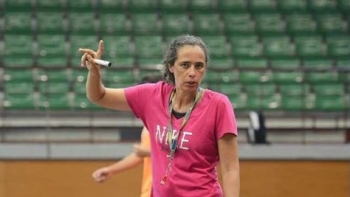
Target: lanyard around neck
x=172, y=139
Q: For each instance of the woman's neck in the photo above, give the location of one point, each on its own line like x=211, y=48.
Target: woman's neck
x=183, y=100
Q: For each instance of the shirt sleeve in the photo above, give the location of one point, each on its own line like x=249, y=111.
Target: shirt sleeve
x=138, y=97
x=225, y=118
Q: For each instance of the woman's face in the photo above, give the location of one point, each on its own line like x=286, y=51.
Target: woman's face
x=189, y=67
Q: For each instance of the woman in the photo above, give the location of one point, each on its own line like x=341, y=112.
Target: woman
x=190, y=128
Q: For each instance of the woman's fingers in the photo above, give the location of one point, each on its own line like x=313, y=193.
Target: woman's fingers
x=88, y=51
x=89, y=55
x=100, y=49
x=83, y=60
x=90, y=62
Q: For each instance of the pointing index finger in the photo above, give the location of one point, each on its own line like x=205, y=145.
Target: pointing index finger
x=100, y=48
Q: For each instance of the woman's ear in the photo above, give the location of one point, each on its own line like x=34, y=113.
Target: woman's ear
x=171, y=68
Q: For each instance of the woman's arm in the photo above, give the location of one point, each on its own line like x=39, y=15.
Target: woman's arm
x=128, y=162
x=95, y=90
x=229, y=163
x=143, y=149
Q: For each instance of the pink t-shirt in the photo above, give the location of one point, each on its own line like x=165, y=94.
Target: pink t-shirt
x=193, y=172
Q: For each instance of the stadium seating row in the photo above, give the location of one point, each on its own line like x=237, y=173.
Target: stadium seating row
x=173, y=23
x=249, y=51
x=191, y=5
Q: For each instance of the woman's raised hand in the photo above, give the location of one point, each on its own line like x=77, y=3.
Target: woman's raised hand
x=87, y=59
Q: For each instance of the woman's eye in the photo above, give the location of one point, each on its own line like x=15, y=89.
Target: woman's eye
x=185, y=65
x=199, y=66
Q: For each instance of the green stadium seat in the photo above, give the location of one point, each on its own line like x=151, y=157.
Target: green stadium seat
x=18, y=62
x=55, y=75
x=52, y=50
x=248, y=77
x=285, y=63
x=175, y=24
x=123, y=62
x=219, y=77
x=81, y=23
x=48, y=5
x=287, y=77
x=238, y=102
x=256, y=103
x=329, y=89
x=111, y=6
x=344, y=5
x=292, y=103
x=292, y=6
x=331, y=24
x=16, y=87
x=24, y=101
x=18, y=45
x=144, y=24
x=231, y=88
x=252, y=63
x=343, y=63
x=19, y=75
x=121, y=84
x=269, y=23
x=221, y=63
x=322, y=5
x=322, y=77
x=265, y=6
x=113, y=23
x=294, y=89
x=18, y=22
x=260, y=89
x=245, y=46
x=297, y=24
x=232, y=6
x=52, y=62
x=53, y=87
x=80, y=6
x=338, y=46
x=238, y=23
x=310, y=46
x=278, y=46
x=137, y=6
x=206, y=24
x=50, y=22
x=59, y=101
x=269, y=102
x=75, y=62
x=330, y=103
x=18, y=5
x=318, y=64
x=120, y=76
x=148, y=47
x=80, y=87
x=167, y=6
x=217, y=46
x=117, y=46
x=79, y=75
x=149, y=63
x=138, y=76
x=204, y=6
x=81, y=41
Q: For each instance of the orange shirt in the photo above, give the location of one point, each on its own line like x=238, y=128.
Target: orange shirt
x=147, y=169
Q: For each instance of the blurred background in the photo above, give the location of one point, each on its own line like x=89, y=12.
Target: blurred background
x=288, y=60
